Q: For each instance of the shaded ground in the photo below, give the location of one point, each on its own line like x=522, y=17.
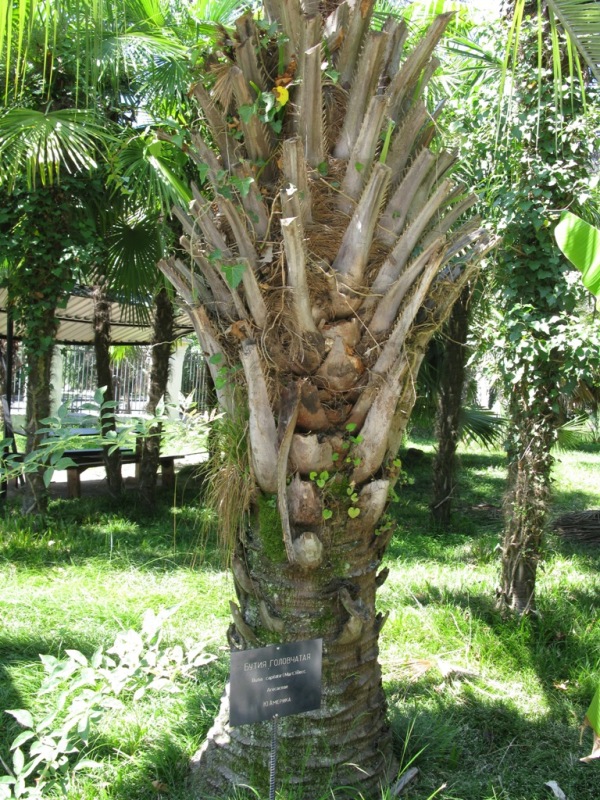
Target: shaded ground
x=93, y=480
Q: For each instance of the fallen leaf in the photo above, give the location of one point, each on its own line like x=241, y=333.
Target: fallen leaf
x=239, y=329
x=418, y=667
x=557, y=791
x=288, y=75
x=404, y=780
x=267, y=256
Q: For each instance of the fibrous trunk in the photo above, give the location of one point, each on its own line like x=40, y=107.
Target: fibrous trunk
x=319, y=595
x=112, y=459
x=314, y=304
x=39, y=368
x=526, y=498
x=450, y=399
x=149, y=444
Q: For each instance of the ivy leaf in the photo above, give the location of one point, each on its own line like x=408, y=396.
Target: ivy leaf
x=246, y=113
x=233, y=273
x=580, y=243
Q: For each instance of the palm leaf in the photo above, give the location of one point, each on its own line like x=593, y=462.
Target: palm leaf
x=573, y=433
x=39, y=145
x=221, y=12
x=165, y=85
x=481, y=426
x=151, y=172
x=581, y=20
x=134, y=248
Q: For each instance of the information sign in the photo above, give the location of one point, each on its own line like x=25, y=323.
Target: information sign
x=275, y=681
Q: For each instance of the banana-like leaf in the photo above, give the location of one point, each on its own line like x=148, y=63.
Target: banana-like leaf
x=592, y=718
x=580, y=243
x=593, y=712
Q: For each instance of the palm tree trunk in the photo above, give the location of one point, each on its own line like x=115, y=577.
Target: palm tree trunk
x=347, y=269
x=452, y=379
x=532, y=299
x=149, y=446
x=287, y=603
x=526, y=498
x=112, y=460
x=39, y=369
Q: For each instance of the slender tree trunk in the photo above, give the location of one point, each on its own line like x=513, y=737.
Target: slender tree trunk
x=112, y=461
x=526, y=500
x=450, y=400
x=347, y=269
x=531, y=352
x=39, y=367
x=149, y=446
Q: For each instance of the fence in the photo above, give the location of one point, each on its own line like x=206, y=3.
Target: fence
x=131, y=377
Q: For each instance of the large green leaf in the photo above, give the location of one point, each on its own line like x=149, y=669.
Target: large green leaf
x=593, y=712
x=580, y=242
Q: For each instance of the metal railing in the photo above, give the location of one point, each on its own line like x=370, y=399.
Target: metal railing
x=131, y=376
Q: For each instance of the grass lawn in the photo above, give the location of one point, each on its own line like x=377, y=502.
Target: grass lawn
x=486, y=707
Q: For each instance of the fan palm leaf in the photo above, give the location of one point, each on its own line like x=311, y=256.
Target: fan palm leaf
x=573, y=432
x=38, y=145
x=134, y=246
x=107, y=41
x=482, y=426
x=150, y=171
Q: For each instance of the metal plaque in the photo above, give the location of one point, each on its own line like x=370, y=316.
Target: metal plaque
x=278, y=680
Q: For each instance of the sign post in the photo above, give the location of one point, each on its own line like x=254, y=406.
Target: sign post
x=272, y=682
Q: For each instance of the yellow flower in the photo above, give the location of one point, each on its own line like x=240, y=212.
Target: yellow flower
x=281, y=95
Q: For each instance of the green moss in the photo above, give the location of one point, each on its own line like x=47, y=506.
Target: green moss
x=270, y=531
x=324, y=623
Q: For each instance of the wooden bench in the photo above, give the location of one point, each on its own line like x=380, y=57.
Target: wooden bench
x=94, y=457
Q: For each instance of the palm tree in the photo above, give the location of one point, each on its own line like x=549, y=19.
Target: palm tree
x=537, y=361
x=159, y=374
x=66, y=98
x=325, y=252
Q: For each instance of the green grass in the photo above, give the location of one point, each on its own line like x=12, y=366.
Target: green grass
x=489, y=707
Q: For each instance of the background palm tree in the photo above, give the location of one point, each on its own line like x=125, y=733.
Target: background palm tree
x=72, y=103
